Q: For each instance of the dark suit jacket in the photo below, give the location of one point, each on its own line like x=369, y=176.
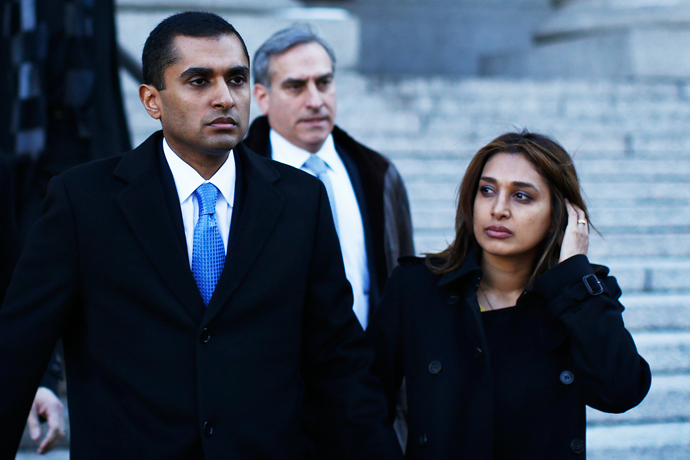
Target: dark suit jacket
x=575, y=351
x=151, y=372
x=381, y=197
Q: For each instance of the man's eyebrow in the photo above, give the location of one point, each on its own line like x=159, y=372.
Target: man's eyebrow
x=238, y=69
x=325, y=76
x=293, y=81
x=301, y=81
x=203, y=71
x=206, y=71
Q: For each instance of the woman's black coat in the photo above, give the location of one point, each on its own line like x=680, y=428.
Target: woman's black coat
x=429, y=330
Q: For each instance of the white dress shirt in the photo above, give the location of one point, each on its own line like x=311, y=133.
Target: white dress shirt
x=187, y=180
x=350, y=226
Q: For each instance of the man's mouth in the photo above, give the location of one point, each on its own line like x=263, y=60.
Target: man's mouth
x=314, y=120
x=223, y=123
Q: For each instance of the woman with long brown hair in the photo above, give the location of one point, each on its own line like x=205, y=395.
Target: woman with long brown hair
x=504, y=337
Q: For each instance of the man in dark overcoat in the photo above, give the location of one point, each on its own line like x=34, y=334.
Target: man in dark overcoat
x=198, y=287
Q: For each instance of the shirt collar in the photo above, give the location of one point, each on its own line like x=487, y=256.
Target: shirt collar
x=187, y=179
x=284, y=151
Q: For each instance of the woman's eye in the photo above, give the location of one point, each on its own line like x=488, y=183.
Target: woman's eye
x=520, y=196
x=485, y=190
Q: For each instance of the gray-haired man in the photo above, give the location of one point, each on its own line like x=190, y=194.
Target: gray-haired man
x=295, y=89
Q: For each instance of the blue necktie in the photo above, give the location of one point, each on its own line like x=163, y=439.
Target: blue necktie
x=318, y=167
x=208, y=252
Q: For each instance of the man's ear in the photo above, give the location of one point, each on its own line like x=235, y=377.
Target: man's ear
x=262, y=97
x=150, y=97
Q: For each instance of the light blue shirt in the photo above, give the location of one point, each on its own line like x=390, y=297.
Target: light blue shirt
x=350, y=225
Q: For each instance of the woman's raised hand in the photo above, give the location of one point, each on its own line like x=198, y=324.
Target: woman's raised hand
x=576, y=237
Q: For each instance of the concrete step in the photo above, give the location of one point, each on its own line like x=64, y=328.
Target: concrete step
x=668, y=353
x=579, y=93
x=653, y=441
x=657, y=312
x=643, y=218
x=641, y=245
x=668, y=401
x=601, y=102
x=649, y=274
x=462, y=141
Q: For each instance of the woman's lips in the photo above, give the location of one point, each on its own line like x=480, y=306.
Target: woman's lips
x=496, y=231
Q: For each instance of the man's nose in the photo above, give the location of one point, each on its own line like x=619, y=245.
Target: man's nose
x=314, y=97
x=222, y=96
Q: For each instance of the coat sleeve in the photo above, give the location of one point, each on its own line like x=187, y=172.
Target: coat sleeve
x=613, y=376
x=345, y=408
x=385, y=332
x=397, y=221
x=33, y=314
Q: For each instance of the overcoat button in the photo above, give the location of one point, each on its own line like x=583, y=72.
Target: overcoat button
x=435, y=367
x=577, y=446
x=205, y=335
x=452, y=298
x=567, y=377
x=422, y=439
x=478, y=353
x=208, y=429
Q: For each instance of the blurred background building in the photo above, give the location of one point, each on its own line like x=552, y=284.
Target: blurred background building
x=428, y=82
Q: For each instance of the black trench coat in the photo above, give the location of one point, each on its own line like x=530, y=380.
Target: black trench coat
x=429, y=330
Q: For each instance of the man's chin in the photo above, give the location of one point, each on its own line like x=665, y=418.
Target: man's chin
x=314, y=142
x=222, y=145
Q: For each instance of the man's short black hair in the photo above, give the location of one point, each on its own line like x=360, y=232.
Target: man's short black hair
x=159, y=52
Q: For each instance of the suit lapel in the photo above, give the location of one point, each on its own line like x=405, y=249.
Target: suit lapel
x=252, y=223
x=144, y=205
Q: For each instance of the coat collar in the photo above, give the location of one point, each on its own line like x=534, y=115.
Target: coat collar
x=251, y=227
x=469, y=268
x=143, y=204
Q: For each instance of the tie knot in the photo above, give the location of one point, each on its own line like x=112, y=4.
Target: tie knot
x=316, y=165
x=206, y=194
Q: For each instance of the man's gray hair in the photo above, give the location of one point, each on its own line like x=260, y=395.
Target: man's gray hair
x=280, y=42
